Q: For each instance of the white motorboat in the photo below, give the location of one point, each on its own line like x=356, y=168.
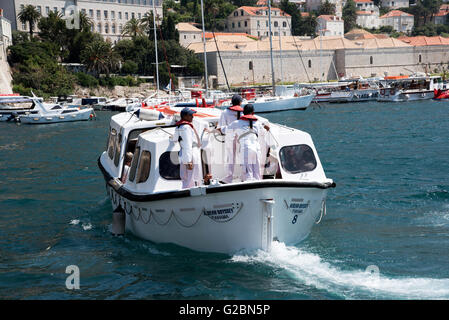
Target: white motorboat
x=404, y=88
x=94, y=102
x=53, y=113
x=122, y=104
x=13, y=106
x=225, y=218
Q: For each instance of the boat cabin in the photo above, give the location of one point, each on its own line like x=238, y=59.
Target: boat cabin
x=289, y=154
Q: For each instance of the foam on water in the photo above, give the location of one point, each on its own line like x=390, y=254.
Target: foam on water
x=309, y=269
x=436, y=218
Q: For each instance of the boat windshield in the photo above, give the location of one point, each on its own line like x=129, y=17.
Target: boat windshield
x=298, y=158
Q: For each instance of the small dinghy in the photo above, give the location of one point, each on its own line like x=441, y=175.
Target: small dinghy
x=53, y=113
x=213, y=217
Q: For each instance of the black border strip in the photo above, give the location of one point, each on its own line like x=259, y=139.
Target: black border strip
x=224, y=188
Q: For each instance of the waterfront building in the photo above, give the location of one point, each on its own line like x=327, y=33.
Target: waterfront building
x=330, y=25
x=254, y=21
x=399, y=20
x=368, y=19
x=441, y=17
x=108, y=16
x=188, y=33
x=5, y=42
x=247, y=61
x=395, y=4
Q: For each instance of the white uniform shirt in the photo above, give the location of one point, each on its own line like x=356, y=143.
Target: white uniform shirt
x=190, y=151
x=226, y=118
x=246, y=137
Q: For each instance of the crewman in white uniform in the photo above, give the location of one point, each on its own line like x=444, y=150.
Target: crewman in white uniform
x=189, y=156
x=226, y=118
x=246, y=131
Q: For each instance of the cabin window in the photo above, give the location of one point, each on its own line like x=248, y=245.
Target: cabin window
x=118, y=143
x=132, y=171
x=144, y=167
x=296, y=159
x=111, y=143
x=169, y=166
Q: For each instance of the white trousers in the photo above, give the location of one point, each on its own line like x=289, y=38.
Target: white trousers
x=250, y=164
x=190, y=178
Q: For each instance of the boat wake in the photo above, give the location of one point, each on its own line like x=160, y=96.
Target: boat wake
x=309, y=269
x=436, y=218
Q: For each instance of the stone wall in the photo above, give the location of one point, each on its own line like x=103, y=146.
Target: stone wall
x=314, y=65
x=5, y=72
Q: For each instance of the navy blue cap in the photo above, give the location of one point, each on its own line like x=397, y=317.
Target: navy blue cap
x=187, y=111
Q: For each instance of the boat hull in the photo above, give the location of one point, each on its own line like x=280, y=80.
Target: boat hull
x=223, y=219
x=81, y=115
x=403, y=96
x=289, y=103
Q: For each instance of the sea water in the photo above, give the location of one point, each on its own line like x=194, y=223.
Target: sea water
x=385, y=235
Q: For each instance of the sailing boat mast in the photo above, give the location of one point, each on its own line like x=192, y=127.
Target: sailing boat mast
x=271, y=49
x=155, y=48
x=204, y=46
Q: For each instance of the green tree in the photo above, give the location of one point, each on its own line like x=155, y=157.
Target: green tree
x=350, y=15
x=326, y=8
x=133, y=28
x=99, y=57
x=29, y=14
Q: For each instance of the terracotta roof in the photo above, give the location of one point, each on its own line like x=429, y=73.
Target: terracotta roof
x=356, y=34
x=329, y=17
x=444, y=10
x=262, y=3
x=252, y=11
x=363, y=1
x=396, y=13
x=305, y=14
x=184, y=26
x=419, y=41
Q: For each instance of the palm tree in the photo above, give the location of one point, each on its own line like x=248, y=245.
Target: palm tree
x=29, y=14
x=147, y=22
x=133, y=28
x=100, y=57
x=85, y=22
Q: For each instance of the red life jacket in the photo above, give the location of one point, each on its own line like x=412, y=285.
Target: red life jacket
x=249, y=117
x=182, y=122
x=236, y=108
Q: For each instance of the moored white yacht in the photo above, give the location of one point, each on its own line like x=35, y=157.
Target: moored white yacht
x=225, y=218
x=53, y=113
x=122, y=104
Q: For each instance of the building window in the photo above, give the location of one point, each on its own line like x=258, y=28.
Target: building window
x=47, y=10
x=120, y=29
x=112, y=14
x=98, y=14
x=250, y=65
x=275, y=23
x=241, y=12
x=113, y=28
x=236, y=13
x=105, y=14
x=39, y=9
x=246, y=23
x=233, y=25
x=55, y=9
x=106, y=28
x=239, y=24
x=371, y=60
x=185, y=37
x=91, y=13
x=120, y=15
x=310, y=63
x=99, y=28
x=139, y=15
x=284, y=24
x=420, y=58
x=126, y=15
x=133, y=15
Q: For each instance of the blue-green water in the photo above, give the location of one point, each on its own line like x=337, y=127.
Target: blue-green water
x=390, y=210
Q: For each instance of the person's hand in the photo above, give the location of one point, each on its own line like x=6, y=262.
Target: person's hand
x=266, y=127
x=189, y=166
x=206, y=130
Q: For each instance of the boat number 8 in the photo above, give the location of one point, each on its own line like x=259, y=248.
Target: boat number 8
x=294, y=219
